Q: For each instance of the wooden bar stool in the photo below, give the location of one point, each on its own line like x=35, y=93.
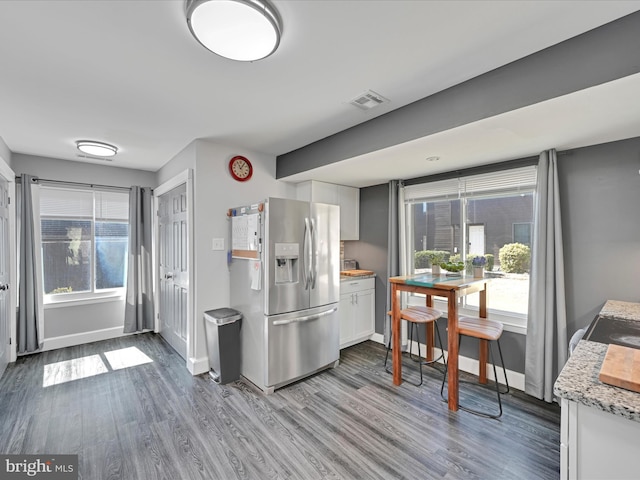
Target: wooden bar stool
x=416, y=316
x=485, y=331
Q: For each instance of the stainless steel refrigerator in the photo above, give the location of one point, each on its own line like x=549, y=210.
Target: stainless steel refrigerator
x=285, y=280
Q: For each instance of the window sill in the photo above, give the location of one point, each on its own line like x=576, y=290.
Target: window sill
x=511, y=323
x=113, y=297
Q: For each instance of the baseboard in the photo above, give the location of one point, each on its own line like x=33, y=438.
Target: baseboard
x=466, y=364
x=198, y=366
x=63, y=341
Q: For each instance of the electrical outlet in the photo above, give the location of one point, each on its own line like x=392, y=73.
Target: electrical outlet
x=218, y=244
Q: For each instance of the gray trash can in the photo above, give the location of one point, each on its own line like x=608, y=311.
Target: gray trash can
x=223, y=343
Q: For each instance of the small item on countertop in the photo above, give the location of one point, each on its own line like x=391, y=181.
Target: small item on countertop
x=621, y=368
x=356, y=273
x=349, y=265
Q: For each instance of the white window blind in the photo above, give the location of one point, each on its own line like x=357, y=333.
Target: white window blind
x=112, y=206
x=513, y=180
x=56, y=202
x=62, y=203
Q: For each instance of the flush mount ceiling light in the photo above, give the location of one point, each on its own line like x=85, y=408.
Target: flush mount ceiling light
x=244, y=30
x=98, y=149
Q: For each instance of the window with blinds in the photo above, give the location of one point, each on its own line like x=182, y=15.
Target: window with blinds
x=84, y=236
x=479, y=215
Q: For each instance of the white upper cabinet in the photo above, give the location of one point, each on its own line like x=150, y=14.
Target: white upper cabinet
x=348, y=198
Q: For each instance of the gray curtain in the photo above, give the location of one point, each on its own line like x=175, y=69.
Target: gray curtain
x=28, y=312
x=546, y=347
x=138, y=315
x=393, y=249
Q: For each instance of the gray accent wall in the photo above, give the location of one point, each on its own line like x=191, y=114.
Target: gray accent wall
x=600, y=195
x=371, y=250
x=607, y=53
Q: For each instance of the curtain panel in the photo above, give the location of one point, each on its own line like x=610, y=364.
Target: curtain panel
x=139, y=308
x=29, y=336
x=546, y=344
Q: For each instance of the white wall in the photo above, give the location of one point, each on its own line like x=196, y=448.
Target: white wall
x=5, y=153
x=184, y=160
x=215, y=192
x=79, y=323
x=56, y=169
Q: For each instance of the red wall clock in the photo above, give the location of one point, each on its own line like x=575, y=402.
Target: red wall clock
x=240, y=168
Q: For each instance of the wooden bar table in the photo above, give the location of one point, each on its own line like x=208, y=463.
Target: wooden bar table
x=452, y=288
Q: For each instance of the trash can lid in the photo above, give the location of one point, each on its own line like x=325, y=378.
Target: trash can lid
x=222, y=316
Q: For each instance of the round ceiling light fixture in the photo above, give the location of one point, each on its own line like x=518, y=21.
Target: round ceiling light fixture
x=97, y=149
x=243, y=30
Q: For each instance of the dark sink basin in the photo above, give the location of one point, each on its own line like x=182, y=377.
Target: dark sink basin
x=614, y=330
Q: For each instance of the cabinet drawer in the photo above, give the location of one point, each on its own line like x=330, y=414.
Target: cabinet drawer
x=350, y=286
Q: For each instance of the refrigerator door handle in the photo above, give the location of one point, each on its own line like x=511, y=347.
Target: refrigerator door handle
x=307, y=254
x=314, y=254
x=306, y=318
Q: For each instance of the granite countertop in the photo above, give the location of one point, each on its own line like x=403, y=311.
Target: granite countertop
x=619, y=309
x=350, y=278
x=579, y=381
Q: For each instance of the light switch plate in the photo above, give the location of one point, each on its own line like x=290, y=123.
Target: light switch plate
x=217, y=244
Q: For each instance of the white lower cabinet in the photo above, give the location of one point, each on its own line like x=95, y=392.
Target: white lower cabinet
x=597, y=445
x=356, y=311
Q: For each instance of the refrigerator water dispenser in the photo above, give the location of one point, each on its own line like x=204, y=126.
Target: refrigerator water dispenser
x=286, y=259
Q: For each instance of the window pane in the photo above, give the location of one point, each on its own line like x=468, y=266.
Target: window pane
x=477, y=215
x=111, y=254
x=497, y=218
x=66, y=255
x=84, y=239
x=436, y=227
x=522, y=233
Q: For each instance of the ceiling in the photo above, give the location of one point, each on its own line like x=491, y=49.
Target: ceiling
x=130, y=73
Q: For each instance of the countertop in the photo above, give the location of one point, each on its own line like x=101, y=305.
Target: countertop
x=351, y=278
x=579, y=381
x=618, y=309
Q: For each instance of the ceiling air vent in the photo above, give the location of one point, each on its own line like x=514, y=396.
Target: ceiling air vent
x=368, y=100
x=91, y=157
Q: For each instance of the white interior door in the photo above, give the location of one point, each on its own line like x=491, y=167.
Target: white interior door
x=5, y=299
x=174, y=267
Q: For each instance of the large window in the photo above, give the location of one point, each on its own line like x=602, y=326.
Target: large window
x=477, y=215
x=84, y=241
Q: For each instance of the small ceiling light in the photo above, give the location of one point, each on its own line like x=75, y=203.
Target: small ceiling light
x=98, y=149
x=244, y=30
x=432, y=159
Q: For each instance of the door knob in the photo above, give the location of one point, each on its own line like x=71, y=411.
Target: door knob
x=168, y=276
x=4, y=286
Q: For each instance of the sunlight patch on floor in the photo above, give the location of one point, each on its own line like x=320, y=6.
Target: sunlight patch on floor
x=77, y=368
x=69, y=370
x=126, y=357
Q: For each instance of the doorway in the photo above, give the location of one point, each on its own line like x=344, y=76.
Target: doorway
x=173, y=267
x=5, y=292
x=476, y=240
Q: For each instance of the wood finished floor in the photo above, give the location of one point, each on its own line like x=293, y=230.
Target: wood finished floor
x=156, y=421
